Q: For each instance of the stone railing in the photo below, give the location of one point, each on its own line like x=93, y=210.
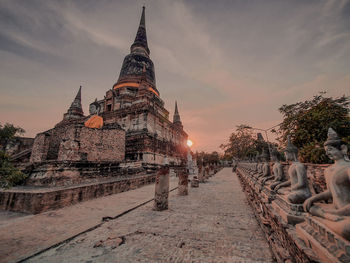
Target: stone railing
x=293, y=235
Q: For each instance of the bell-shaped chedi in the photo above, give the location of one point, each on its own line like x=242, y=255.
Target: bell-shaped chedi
x=137, y=66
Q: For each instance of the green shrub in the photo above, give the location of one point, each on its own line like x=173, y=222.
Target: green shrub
x=9, y=175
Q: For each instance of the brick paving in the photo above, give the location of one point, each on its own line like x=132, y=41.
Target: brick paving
x=212, y=224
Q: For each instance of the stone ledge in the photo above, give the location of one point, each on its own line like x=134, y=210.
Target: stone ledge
x=282, y=237
x=37, y=200
x=329, y=246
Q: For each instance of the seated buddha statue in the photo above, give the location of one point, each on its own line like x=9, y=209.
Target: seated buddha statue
x=299, y=188
x=94, y=121
x=265, y=167
x=277, y=171
x=337, y=215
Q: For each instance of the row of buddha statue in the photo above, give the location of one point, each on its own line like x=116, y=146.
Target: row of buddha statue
x=333, y=205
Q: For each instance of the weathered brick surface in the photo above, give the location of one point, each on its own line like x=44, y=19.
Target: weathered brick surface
x=92, y=145
x=40, y=148
x=54, y=173
x=75, y=142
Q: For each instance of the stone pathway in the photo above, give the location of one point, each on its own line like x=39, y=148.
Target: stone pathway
x=213, y=224
x=24, y=235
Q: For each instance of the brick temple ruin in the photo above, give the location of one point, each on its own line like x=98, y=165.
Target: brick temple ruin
x=117, y=147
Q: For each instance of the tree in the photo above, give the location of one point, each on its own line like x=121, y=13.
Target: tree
x=207, y=157
x=9, y=175
x=241, y=143
x=308, y=122
x=7, y=133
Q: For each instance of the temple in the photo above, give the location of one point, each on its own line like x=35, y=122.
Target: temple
x=134, y=103
x=119, y=146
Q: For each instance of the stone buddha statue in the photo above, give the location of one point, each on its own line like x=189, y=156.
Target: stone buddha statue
x=265, y=167
x=299, y=188
x=277, y=170
x=94, y=121
x=255, y=165
x=336, y=216
x=259, y=164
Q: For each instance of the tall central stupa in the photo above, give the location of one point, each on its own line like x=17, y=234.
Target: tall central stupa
x=134, y=103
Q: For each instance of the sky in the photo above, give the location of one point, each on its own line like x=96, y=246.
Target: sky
x=225, y=62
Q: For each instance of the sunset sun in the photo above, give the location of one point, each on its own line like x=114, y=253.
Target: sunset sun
x=189, y=143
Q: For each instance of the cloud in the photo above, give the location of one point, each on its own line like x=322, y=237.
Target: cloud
x=225, y=62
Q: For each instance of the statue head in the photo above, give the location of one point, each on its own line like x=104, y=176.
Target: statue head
x=291, y=151
x=335, y=148
x=274, y=155
x=94, y=108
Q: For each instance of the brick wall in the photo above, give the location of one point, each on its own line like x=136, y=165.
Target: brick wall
x=75, y=142
x=40, y=147
x=92, y=145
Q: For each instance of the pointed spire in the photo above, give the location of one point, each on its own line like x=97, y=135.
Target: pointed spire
x=176, y=118
x=75, y=110
x=176, y=110
x=141, y=37
x=78, y=96
x=77, y=101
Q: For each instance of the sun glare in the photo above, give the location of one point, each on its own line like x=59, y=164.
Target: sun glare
x=189, y=143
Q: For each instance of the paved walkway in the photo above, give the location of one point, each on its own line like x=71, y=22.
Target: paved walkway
x=213, y=224
x=23, y=235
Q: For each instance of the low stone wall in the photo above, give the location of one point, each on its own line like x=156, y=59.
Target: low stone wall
x=280, y=235
x=55, y=173
x=38, y=200
x=293, y=235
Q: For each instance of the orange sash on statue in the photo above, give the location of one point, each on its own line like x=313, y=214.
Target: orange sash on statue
x=94, y=121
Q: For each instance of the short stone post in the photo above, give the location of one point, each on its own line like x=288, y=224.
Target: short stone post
x=162, y=188
x=206, y=172
x=195, y=181
x=183, y=182
x=200, y=174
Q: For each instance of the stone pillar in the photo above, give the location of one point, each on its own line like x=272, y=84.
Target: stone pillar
x=183, y=183
x=200, y=174
x=162, y=189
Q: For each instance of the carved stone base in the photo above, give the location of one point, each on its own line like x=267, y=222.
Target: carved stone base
x=290, y=213
x=267, y=195
x=329, y=246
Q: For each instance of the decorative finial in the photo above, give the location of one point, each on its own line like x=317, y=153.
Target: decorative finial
x=332, y=138
x=290, y=146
